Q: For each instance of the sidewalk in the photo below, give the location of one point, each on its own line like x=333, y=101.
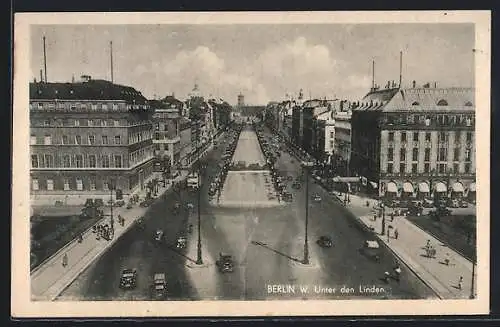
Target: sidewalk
x=409, y=247
x=50, y=278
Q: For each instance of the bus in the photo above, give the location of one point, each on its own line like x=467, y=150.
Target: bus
x=192, y=181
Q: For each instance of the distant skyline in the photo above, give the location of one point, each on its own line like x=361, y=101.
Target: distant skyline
x=263, y=62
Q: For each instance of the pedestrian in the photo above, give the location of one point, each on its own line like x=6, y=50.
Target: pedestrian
x=460, y=282
x=447, y=259
x=392, y=216
x=65, y=260
x=397, y=272
x=396, y=233
x=374, y=217
x=386, y=276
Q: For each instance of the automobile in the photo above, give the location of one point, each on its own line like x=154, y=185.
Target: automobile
x=287, y=197
x=225, y=262
x=159, y=285
x=181, y=242
x=317, y=198
x=296, y=185
x=371, y=249
x=453, y=203
x=128, y=278
x=440, y=211
x=146, y=202
x=289, y=178
x=159, y=234
x=428, y=203
x=325, y=241
x=413, y=211
x=119, y=203
x=464, y=204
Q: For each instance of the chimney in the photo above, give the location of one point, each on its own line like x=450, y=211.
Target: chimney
x=414, y=83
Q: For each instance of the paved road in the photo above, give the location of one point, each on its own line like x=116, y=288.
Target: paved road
x=267, y=244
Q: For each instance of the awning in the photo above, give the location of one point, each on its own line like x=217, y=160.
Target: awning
x=423, y=187
x=407, y=187
x=472, y=187
x=440, y=187
x=392, y=187
x=458, y=187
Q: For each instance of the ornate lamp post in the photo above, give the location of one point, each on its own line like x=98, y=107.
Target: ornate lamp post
x=307, y=165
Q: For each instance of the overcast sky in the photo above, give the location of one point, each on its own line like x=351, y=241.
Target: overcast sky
x=263, y=62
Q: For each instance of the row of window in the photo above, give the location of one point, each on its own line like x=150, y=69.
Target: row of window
x=85, y=105
x=427, y=120
x=442, y=136
x=76, y=140
x=67, y=185
x=77, y=161
x=140, y=155
x=441, y=168
x=442, y=154
x=80, y=123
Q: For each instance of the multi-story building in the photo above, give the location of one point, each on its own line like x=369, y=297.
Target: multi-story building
x=416, y=141
x=89, y=136
x=342, y=140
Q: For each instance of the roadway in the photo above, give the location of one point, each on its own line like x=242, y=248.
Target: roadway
x=267, y=245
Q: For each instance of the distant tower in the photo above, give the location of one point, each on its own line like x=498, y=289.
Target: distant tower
x=241, y=100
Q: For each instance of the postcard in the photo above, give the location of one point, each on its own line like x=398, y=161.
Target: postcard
x=251, y=164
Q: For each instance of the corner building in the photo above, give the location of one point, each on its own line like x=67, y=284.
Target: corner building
x=87, y=136
x=416, y=142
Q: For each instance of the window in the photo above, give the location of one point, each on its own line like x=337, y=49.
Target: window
x=402, y=168
x=469, y=136
x=50, y=185
x=92, y=184
x=104, y=139
x=91, y=139
x=79, y=184
x=46, y=123
x=390, y=154
x=116, y=123
x=92, y=161
x=442, y=168
x=47, y=140
x=105, y=161
x=415, y=154
x=455, y=167
x=391, y=136
x=79, y=161
x=402, y=155
x=415, y=103
x=467, y=155
x=90, y=122
x=49, y=161
x=105, y=186
x=467, y=168
x=427, y=137
x=104, y=123
x=443, y=153
x=457, y=136
x=33, y=139
x=331, y=144
x=332, y=135
x=65, y=139
x=118, y=161
x=443, y=137
x=34, y=184
x=66, y=162
x=77, y=122
x=414, y=168
x=415, y=136
x=34, y=161
x=94, y=106
x=427, y=121
x=403, y=136
x=390, y=168
x=442, y=102
x=66, y=184
x=117, y=139
x=78, y=139
x=427, y=167
x=427, y=155
x=456, y=152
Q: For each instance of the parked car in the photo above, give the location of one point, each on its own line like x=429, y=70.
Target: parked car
x=159, y=285
x=325, y=241
x=128, y=279
x=146, y=202
x=159, y=235
x=440, y=211
x=371, y=249
x=296, y=185
x=428, y=203
x=464, y=204
x=317, y=198
x=287, y=197
x=225, y=262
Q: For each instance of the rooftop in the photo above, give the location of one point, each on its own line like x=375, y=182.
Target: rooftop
x=86, y=90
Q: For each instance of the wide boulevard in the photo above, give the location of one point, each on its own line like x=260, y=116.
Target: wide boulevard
x=266, y=242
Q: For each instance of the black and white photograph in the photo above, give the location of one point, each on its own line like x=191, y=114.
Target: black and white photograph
x=168, y=163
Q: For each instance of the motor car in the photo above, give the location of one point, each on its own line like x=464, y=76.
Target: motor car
x=181, y=242
x=289, y=178
x=325, y=241
x=453, y=203
x=464, y=204
x=371, y=249
x=428, y=203
x=287, y=197
x=225, y=262
x=413, y=211
x=146, y=202
x=317, y=198
x=128, y=278
x=159, y=285
x=296, y=185
x=119, y=203
x=159, y=234
x=440, y=211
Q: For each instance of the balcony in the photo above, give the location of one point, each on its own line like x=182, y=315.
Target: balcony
x=166, y=140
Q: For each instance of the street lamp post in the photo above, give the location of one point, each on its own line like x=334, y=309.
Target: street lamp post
x=472, y=295
x=305, y=261
x=199, y=259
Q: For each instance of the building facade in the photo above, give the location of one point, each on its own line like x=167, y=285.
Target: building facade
x=89, y=136
x=342, y=137
x=416, y=142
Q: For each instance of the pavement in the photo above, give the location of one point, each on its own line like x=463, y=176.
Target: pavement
x=409, y=247
x=266, y=243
